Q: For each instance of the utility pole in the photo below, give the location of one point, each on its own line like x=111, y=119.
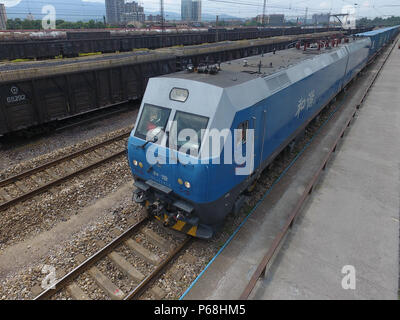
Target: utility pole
x=305, y=18
x=162, y=22
x=216, y=29
x=263, y=16
x=329, y=21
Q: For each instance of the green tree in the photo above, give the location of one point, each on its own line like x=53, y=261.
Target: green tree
x=18, y=24
x=379, y=22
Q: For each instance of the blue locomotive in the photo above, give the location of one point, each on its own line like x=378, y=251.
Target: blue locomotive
x=203, y=137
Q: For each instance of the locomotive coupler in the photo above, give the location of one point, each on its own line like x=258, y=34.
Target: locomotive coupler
x=169, y=222
x=156, y=210
x=173, y=218
x=141, y=193
x=140, y=196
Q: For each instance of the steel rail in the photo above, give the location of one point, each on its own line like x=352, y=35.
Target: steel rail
x=52, y=163
x=138, y=291
x=99, y=117
x=278, y=240
x=84, y=266
x=43, y=188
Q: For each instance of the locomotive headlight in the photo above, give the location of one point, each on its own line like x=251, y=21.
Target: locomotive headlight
x=179, y=94
x=135, y=163
x=187, y=184
x=140, y=165
x=180, y=181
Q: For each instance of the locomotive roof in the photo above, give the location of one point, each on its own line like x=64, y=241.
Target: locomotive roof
x=242, y=70
x=375, y=32
x=238, y=86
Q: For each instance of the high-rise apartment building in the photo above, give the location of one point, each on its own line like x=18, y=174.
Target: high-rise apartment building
x=321, y=19
x=3, y=17
x=271, y=19
x=119, y=13
x=115, y=11
x=191, y=10
x=133, y=12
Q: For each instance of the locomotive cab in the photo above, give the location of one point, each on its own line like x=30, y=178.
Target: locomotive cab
x=164, y=152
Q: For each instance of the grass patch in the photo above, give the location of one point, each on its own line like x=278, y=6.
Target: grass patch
x=89, y=54
x=21, y=60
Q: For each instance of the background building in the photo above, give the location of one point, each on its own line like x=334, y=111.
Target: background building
x=114, y=11
x=154, y=18
x=196, y=10
x=321, y=19
x=272, y=19
x=186, y=6
x=3, y=17
x=133, y=12
x=30, y=17
x=120, y=13
x=191, y=10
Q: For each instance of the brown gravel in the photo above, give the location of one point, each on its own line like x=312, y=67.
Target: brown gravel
x=60, y=203
x=19, y=167
x=60, y=249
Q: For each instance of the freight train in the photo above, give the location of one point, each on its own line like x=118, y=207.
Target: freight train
x=36, y=95
x=43, y=45
x=203, y=136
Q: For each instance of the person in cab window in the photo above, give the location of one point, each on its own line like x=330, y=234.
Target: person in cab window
x=154, y=119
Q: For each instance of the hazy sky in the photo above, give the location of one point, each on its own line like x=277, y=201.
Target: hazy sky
x=247, y=8
x=250, y=8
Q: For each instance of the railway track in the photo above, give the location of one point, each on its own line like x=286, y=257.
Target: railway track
x=274, y=249
x=142, y=283
x=32, y=182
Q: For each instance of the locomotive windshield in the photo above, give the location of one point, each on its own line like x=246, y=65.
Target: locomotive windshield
x=188, y=130
x=152, y=121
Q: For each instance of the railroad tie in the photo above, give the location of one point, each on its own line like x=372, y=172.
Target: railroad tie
x=68, y=168
x=97, y=154
x=50, y=172
x=134, y=274
x=106, y=151
x=158, y=293
x=76, y=162
x=177, y=273
x=126, y=267
x=21, y=186
x=38, y=180
x=76, y=292
x=142, y=252
x=103, y=282
x=89, y=158
x=155, y=239
x=5, y=195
